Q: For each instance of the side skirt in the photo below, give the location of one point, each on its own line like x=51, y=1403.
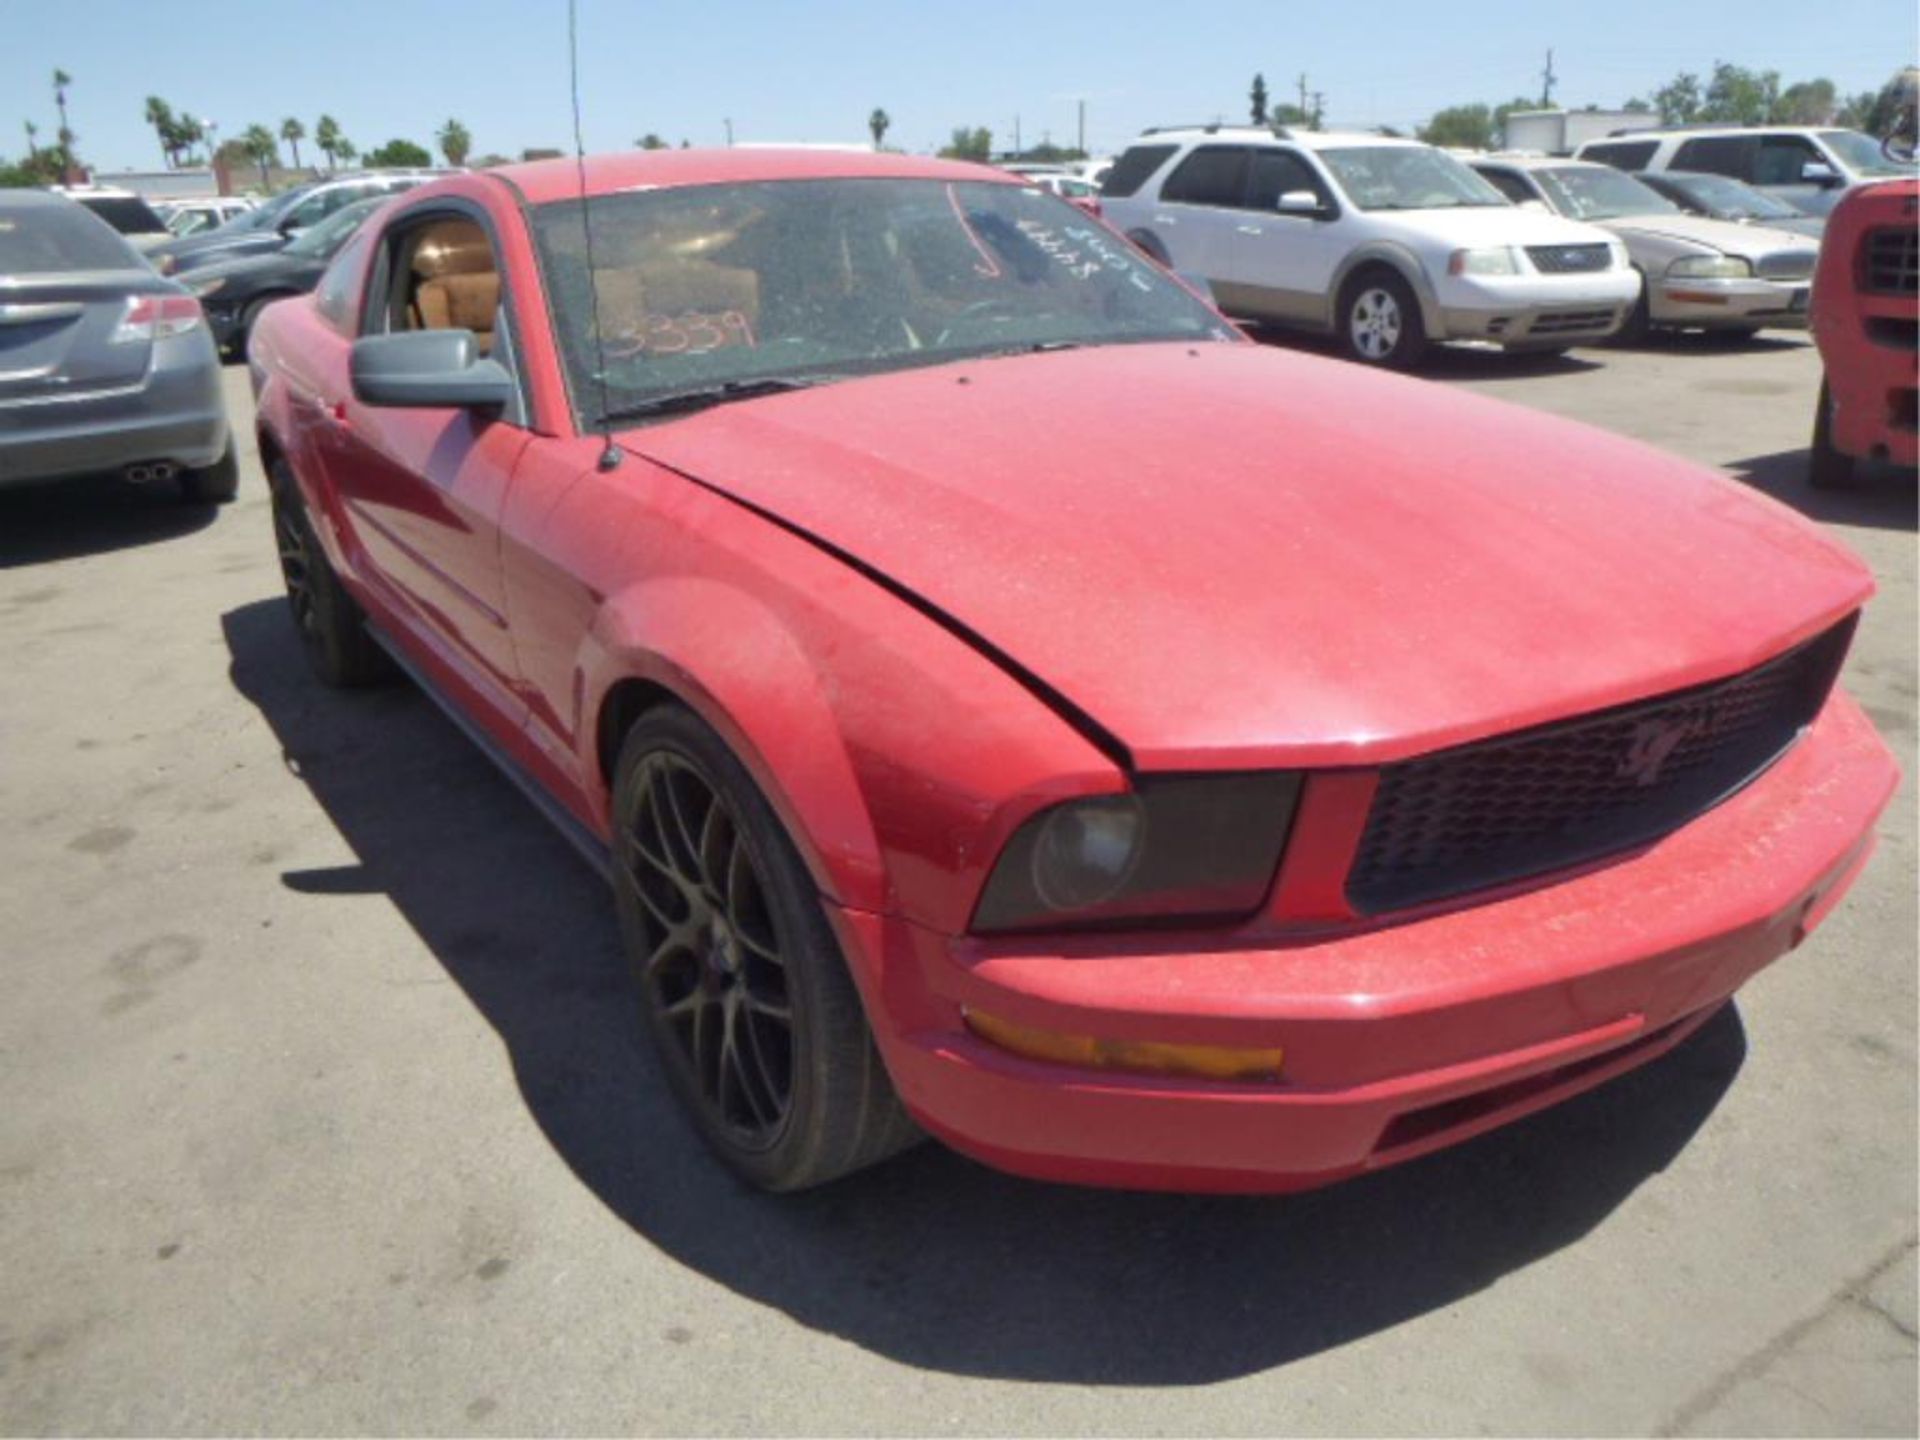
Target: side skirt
x=591, y=849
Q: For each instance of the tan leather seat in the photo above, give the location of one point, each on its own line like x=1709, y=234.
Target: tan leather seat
x=461, y=302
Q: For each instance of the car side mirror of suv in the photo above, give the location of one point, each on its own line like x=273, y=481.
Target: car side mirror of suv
x=1817, y=172
x=1299, y=202
x=429, y=369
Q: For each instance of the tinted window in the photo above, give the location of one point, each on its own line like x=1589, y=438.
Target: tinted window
x=1717, y=155
x=1781, y=158
x=1508, y=184
x=1131, y=170
x=1274, y=173
x=1211, y=175
x=128, y=214
x=1622, y=154
x=38, y=239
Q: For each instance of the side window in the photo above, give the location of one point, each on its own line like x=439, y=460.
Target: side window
x=1131, y=170
x=1211, y=175
x=1273, y=173
x=1780, y=159
x=440, y=275
x=1509, y=183
x=338, y=289
x=1716, y=155
x=309, y=211
x=1622, y=155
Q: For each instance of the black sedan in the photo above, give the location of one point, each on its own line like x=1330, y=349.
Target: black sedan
x=234, y=292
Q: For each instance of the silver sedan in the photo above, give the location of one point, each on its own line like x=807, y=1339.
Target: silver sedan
x=104, y=365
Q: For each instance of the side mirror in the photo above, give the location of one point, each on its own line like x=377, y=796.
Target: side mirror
x=1817, y=172
x=1299, y=202
x=428, y=369
x=287, y=226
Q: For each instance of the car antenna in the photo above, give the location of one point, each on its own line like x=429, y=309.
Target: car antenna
x=610, y=455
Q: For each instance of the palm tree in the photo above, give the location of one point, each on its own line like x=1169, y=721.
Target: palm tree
x=293, y=132
x=160, y=116
x=33, y=131
x=326, y=134
x=61, y=79
x=878, y=122
x=455, y=142
x=346, y=150
x=187, y=133
x=257, y=142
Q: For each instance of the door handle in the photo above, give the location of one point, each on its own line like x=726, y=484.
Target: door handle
x=1165, y=220
x=1249, y=229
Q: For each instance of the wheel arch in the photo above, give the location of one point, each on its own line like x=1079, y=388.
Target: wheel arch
x=1397, y=260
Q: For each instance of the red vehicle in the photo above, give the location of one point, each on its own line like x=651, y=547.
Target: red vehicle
x=1011, y=705
x=1866, y=319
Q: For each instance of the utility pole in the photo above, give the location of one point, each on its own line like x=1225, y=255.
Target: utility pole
x=729, y=125
x=1016, y=136
x=1547, y=81
x=1083, y=127
x=1303, y=92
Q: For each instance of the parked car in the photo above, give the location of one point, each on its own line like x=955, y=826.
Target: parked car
x=1387, y=244
x=271, y=225
x=192, y=217
x=104, y=366
x=1719, y=198
x=1700, y=274
x=234, y=292
x=1808, y=166
x=919, y=604
x=125, y=211
x=1866, y=320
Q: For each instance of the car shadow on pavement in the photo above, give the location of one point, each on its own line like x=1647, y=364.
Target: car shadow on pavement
x=929, y=1260
x=89, y=516
x=1442, y=362
x=1883, y=497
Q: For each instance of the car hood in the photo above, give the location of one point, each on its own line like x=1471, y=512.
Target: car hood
x=1479, y=225
x=241, y=271
x=1229, y=556
x=1727, y=236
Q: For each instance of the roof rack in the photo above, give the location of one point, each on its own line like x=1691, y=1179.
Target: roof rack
x=1212, y=127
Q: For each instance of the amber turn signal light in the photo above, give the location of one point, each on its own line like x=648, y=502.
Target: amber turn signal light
x=1143, y=1057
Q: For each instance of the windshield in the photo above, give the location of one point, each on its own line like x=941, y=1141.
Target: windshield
x=1596, y=192
x=1862, y=153
x=263, y=216
x=126, y=213
x=330, y=234
x=1732, y=199
x=1407, y=177
x=712, y=286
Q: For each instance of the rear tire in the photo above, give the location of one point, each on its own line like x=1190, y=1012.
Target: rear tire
x=215, y=485
x=1639, y=322
x=1380, y=322
x=1827, y=468
x=752, y=1012
x=332, y=627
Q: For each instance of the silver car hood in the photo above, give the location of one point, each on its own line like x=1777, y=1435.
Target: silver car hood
x=1725, y=236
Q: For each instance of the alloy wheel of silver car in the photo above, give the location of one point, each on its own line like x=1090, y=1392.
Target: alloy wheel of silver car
x=1375, y=322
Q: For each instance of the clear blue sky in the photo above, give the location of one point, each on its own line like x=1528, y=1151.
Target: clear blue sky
x=813, y=69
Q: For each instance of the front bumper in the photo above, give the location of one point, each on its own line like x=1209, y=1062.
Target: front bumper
x=174, y=414
x=1536, y=311
x=1400, y=1039
x=1867, y=344
x=1729, y=304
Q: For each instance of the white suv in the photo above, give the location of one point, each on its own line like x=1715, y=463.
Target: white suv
x=1808, y=166
x=1389, y=244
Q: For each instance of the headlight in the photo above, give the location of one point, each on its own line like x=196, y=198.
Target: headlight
x=1710, y=267
x=1499, y=261
x=1176, y=846
x=204, y=288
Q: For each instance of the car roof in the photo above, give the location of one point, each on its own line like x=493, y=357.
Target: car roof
x=1694, y=132
x=1260, y=134
x=1538, y=162
x=543, y=181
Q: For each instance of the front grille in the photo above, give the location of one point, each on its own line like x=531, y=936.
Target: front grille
x=1567, y=322
x=1890, y=260
x=1562, y=794
x=1786, y=265
x=1570, y=259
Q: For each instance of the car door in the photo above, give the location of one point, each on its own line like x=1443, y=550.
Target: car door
x=1284, y=261
x=1780, y=166
x=1197, y=208
x=422, y=488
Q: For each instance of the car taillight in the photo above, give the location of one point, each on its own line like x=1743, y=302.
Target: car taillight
x=155, y=317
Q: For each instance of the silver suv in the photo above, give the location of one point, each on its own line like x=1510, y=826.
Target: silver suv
x=1808, y=166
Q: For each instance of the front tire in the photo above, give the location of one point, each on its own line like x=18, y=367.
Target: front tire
x=333, y=628
x=1827, y=468
x=751, y=1009
x=1380, y=322
x=216, y=484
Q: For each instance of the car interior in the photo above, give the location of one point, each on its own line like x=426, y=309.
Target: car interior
x=449, y=280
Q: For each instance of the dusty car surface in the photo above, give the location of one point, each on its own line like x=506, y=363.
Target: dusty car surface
x=1866, y=321
x=1011, y=705
x=104, y=366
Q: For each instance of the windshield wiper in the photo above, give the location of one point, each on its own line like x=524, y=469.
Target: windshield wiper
x=681, y=402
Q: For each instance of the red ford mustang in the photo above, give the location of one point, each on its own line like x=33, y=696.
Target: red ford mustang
x=1009, y=704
